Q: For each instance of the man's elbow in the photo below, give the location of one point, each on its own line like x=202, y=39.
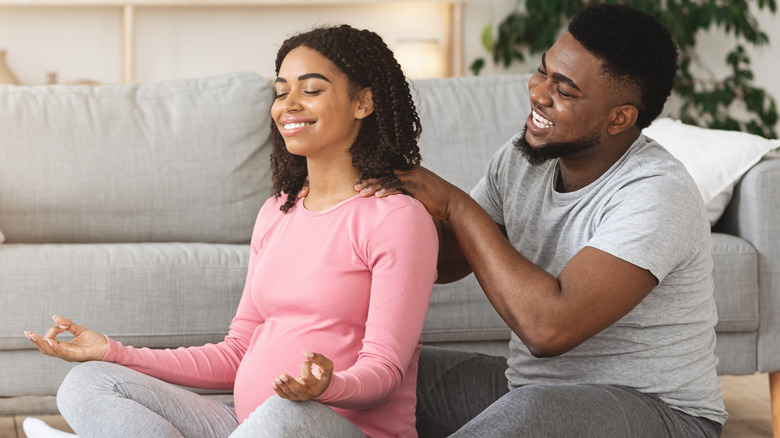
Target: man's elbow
x=548, y=342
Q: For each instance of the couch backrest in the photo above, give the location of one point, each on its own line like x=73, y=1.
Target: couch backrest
x=466, y=119
x=180, y=160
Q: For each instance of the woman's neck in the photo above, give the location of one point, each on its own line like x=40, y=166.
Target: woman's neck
x=330, y=184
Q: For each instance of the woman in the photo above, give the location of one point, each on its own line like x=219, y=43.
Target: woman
x=344, y=276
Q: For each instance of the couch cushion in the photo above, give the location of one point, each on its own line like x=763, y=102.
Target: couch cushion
x=459, y=136
x=459, y=131
x=735, y=272
x=180, y=160
x=460, y=312
x=145, y=294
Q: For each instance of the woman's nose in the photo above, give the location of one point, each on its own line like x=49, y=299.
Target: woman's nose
x=292, y=102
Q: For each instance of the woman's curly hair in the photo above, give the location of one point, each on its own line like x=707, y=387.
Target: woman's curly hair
x=388, y=137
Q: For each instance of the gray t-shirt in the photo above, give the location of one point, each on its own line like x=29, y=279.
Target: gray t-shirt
x=646, y=210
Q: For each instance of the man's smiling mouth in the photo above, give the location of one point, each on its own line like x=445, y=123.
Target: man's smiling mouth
x=541, y=122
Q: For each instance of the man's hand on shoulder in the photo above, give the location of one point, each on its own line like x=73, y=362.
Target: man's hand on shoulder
x=372, y=187
x=435, y=193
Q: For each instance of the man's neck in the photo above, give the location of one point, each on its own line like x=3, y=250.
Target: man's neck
x=580, y=170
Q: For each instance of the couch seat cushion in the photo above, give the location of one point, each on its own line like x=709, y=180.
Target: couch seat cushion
x=147, y=295
x=460, y=312
x=735, y=272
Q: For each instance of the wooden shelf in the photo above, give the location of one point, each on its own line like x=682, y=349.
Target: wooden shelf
x=128, y=7
x=217, y=3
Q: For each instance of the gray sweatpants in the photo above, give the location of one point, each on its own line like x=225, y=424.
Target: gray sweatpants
x=466, y=395
x=100, y=399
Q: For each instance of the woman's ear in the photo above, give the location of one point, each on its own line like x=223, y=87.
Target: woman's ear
x=365, y=103
x=623, y=118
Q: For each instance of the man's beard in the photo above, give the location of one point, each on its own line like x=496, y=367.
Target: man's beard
x=537, y=156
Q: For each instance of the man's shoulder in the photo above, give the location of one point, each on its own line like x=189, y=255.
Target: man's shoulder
x=649, y=166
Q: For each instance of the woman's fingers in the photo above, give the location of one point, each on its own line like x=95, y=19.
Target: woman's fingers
x=44, y=345
x=68, y=325
x=85, y=345
x=291, y=388
x=316, y=372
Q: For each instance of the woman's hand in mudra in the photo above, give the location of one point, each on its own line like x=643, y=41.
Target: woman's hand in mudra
x=315, y=377
x=85, y=345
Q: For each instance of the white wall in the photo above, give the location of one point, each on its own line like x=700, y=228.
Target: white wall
x=83, y=42
x=174, y=42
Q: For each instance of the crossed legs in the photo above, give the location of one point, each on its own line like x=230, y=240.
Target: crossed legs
x=100, y=399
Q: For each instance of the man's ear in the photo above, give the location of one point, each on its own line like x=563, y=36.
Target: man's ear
x=365, y=103
x=623, y=118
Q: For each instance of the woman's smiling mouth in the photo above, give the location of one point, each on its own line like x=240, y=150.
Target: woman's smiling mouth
x=288, y=126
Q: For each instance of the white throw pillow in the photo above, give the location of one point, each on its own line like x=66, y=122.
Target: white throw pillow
x=716, y=159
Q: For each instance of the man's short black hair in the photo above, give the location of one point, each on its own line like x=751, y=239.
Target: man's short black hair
x=634, y=47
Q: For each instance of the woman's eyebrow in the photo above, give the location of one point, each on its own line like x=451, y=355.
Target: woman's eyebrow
x=313, y=76
x=304, y=77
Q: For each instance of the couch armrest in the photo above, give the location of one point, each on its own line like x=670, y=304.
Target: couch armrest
x=753, y=216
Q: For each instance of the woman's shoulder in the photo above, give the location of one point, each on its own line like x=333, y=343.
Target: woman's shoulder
x=396, y=202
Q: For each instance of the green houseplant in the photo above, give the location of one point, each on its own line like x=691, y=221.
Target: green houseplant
x=706, y=100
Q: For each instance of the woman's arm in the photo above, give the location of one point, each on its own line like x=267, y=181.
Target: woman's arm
x=403, y=267
x=211, y=366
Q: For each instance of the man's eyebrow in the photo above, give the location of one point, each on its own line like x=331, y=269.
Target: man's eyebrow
x=563, y=78
x=559, y=76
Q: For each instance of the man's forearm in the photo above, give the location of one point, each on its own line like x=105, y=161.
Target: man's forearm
x=452, y=265
x=511, y=282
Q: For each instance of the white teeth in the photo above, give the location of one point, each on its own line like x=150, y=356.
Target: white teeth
x=540, y=121
x=296, y=125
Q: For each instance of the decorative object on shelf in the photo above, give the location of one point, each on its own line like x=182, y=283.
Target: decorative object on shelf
x=83, y=81
x=6, y=75
x=51, y=78
x=707, y=100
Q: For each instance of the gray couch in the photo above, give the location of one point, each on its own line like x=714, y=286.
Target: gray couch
x=129, y=208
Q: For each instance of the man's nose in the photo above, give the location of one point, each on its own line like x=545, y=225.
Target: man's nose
x=540, y=93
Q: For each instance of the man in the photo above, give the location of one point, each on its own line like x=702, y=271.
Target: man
x=592, y=243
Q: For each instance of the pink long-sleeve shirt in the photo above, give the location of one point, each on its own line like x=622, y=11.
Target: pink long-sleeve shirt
x=352, y=282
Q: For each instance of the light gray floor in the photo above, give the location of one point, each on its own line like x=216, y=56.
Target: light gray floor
x=746, y=398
